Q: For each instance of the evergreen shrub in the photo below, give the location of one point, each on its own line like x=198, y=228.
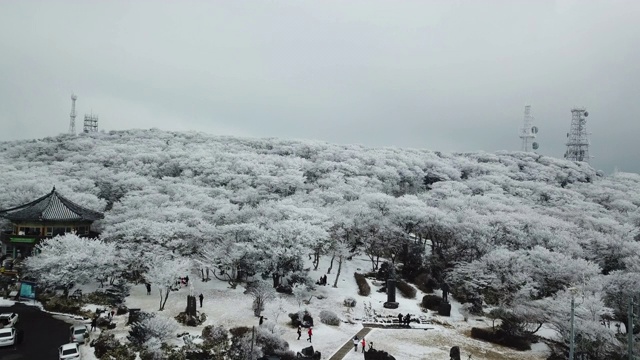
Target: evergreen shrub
x=425, y=282
x=501, y=338
x=363, y=285
x=406, y=290
x=431, y=302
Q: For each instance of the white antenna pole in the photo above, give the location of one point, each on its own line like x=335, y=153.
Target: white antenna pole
x=528, y=131
x=72, y=121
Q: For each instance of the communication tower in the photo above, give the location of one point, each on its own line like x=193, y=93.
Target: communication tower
x=90, y=123
x=528, y=131
x=578, y=137
x=72, y=121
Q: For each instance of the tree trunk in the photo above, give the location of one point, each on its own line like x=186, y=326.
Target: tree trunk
x=335, y=283
x=166, y=296
x=372, y=258
x=316, y=259
x=331, y=264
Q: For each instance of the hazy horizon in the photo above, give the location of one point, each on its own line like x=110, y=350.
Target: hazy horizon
x=451, y=76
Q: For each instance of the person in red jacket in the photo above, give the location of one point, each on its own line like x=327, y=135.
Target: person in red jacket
x=364, y=343
x=310, y=332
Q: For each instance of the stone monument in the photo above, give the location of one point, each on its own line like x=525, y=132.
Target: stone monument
x=391, y=290
x=191, y=303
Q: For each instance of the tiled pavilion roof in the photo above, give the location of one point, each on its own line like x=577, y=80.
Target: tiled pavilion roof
x=51, y=207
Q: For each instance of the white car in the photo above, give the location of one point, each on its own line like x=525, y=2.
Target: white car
x=8, y=336
x=8, y=319
x=78, y=334
x=69, y=351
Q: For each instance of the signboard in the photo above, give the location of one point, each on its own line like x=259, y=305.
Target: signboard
x=28, y=290
x=22, y=240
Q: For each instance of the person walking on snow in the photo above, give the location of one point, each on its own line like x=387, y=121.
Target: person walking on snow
x=310, y=333
x=355, y=343
x=299, y=331
x=364, y=344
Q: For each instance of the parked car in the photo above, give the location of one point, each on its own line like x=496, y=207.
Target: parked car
x=8, y=319
x=8, y=336
x=69, y=351
x=78, y=333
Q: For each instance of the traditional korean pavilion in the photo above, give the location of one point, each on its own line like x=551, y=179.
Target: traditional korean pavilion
x=44, y=218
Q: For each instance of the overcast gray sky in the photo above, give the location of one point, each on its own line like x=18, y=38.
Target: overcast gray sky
x=442, y=75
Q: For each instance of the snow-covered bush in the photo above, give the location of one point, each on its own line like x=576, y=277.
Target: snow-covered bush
x=106, y=346
x=215, y=337
x=240, y=348
x=465, y=310
x=270, y=342
x=301, y=318
x=152, y=350
x=349, y=302
x=329, y=318
x=152, y=327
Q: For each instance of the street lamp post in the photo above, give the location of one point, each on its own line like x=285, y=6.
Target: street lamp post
x=630, y=330
x=572, y=344
x=572, y=338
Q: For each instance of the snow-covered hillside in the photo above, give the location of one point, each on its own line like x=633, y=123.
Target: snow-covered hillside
x=510, y=232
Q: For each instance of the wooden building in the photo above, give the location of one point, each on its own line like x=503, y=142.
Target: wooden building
x=44, y=218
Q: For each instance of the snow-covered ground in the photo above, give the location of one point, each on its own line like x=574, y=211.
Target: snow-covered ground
x=231, y=308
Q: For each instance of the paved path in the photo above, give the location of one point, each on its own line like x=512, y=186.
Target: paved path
x=42, y=334
x=348, y=346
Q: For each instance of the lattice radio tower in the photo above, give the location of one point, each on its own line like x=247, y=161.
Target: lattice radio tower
x=578, y=137
x=72, y=120
x=90, y=123
x=528, y=131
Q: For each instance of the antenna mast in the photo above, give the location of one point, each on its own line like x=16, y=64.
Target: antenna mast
x=72, y=121
x=90, y=123
x=578, y=137
x=528, y=131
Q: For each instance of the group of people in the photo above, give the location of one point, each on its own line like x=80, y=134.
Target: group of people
x=404, y=320
x=322, y=281
x=309, y=332
x=94, y=321
x=362, y=342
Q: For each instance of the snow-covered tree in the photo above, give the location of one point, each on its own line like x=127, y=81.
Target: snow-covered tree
x=262, y=293
x=69, y=259
x=163, y=272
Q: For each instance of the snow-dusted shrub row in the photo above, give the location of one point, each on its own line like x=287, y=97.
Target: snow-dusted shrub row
x=363, y=285
x=406, y=289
